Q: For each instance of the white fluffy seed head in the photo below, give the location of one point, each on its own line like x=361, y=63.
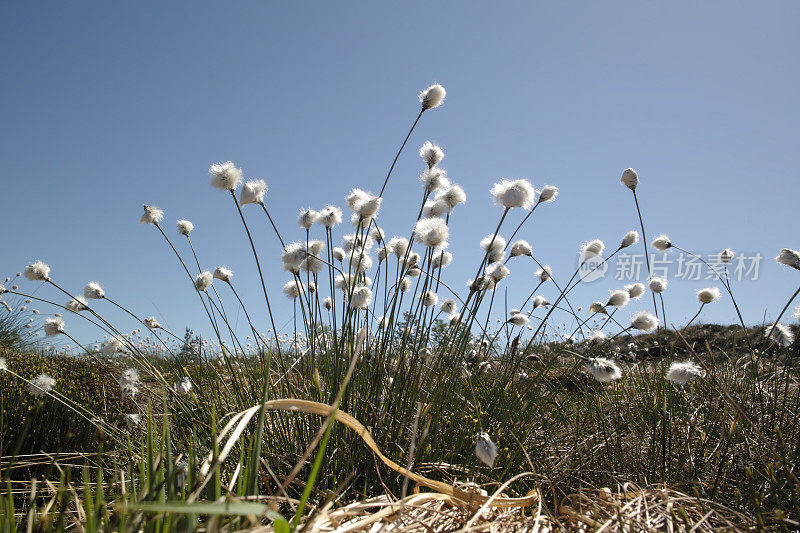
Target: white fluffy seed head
x=327, y=303
x=434, y=178
x=430, y=298
x=37, y=271
x=434, y=208
x=330, y=216
x=635, y=290
x=789, y=257
x=540, y=301
x=53, y=326
x=397, y=246
x=293, y=289
x=493, y=243
x=781, y=334
x=223, y=274
x=518, y=319
x=644, y=321
x=630, y=238
x=497, y=271
x=76, y=305
x=203, y=281
x=708, y=295
x=41, y=385
x=225, y=176
x=658, y=285
x=683, y=372
x=548, y=193
x=185, y=227
x=151, y=322
x=431, y=154
x=362, y=297
x=661, y=243
x=338, y=254
x=293, y=256
x=432, y=97
x=432, y=232
x=307, y=218
x=152, y=215
x=441, y=259
x=114, y=345
x=544, y=273
x=404, y=284
x=449, y=306
x=603, y=370
x=94, y=291
x=3, y=364
x=592, y=248
x=521, y=247
x=618, y=298
x=726, y=255
x=485, y=449
x=630, y=178
x=596, y=336
x=797, y=313
x=452, y=196
x=516, y=193
x=253, y=192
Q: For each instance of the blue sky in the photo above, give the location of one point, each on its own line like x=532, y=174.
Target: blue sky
x=107, y=106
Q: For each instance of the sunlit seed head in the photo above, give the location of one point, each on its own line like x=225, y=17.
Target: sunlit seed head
x=434, y=178
x=596, y=336
x=435, y=208
x=518, y=319
x=493, y=243
x=76, y=305
x=225, y=176
x=452, y=196
x=540, y=301
x=53, y=326
x=618, y=298
x=661, y=243
x=635, y=290
x=432, y=97
x=398, y=246
x=516, y=193
x=223, y=274
x=797, y=313
x=185, y=227
x=184, y=386
x=430, y=298
x=3, y=364
x=521, y=247
x=726, y=255
x=253, y=192
x=630, y=238
x=362, y=298
x=544, y=273
x=307, y=218
x=592, y=248
x=597, y=307
x=644, y=321
x=293, y=289
x=369, y=208
x=152, y=323
x=497, y=271
x=431, y=154
x=603, y=370
x=94, y=291
x=203, y=281
x=41, y=385
x=37, y=271
x=787, y=257
x=152, y=215
x=658, y=285
x=630, y=178
x=449, y=306
x=432, y=232
x=327, y=303
x=330, y=216
x=293, y=256
x=781, y=334
x=404, y=284
x=708, y=295
x=485, y=449
x=683, y=372
x=548, y=193
x=441, y=259
x=338, y=254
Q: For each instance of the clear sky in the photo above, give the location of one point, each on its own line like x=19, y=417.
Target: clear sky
x=110, y=105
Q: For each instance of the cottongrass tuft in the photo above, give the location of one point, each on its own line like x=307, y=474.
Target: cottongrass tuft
x=452, y=196
x=94, y=291
x=726, y=255
x=114, y=345
x=630, y=178
x=253, y=192
x=603, y=370
x=485, y=449
x=293, y=289
x=430, y=298
x=53, y=326
x=223, y=274
x=683, y=372
x=630, y=238
x=596, y=336
x=548, y=193
x=152, y=215
x=708, y=295
x=441, y=259
x=76, y=305
x=544, y=273
x=432, y=97
x=540, y=301
x=658, y=285
x=518, y=319
x=521, y=247
x=151, y=322
x=431, y=154
x=362, y=298
x=3, y=364
x=780, y=333
x=497, y=271
x=184, y=385
x=203, y=281
x=661, y=243
x=307, y=218
x=432, y=232
x=225, y=176
x=644, y=321
x=434, y=179
x=41, y=385
x=37, y=271
x=184, y=227
x=592, y=248
x=789, y=257
x=516, y=193
x=449, y=306
x=493, y=243
x=618, y=298
x=330, y=216
x=635, y=290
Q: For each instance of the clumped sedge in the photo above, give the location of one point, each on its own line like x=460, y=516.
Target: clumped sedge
x=683, y=372
x=225, y=176
x=658, y=285
x=644, y=321
x=661, y=243
x=37, y=271
x=516, y=193
x=431, y=154
x=789, y=257
x=203, y=281
x=94, y=291
x=629, y=178
x=603, y=370
x=185, y=227
x=41, y=385
x=708, y=295
x=485, y=449
x=253, y=192
x=432, y=97
x=780, y=333
x=521, y=247
x=152, y=215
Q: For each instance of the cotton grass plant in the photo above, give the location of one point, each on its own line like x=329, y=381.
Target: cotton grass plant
x=446, y=376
